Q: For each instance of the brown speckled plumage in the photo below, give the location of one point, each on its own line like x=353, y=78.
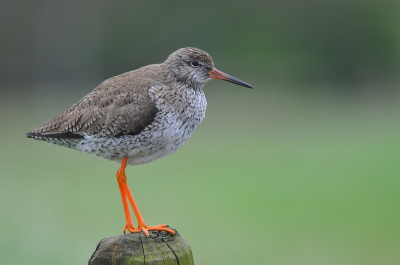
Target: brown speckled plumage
x=143, y=114
x=120, y=105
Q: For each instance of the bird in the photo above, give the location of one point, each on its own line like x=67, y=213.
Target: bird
x=137, y=117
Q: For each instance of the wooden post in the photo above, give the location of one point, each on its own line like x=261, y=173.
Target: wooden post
x=159, y=248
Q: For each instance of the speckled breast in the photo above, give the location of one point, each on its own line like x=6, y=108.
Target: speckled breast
x=179, y=115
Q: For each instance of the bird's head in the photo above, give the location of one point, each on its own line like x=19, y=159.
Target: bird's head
x=195, y=67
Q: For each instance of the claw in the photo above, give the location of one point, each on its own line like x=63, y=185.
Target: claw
x=130, y=228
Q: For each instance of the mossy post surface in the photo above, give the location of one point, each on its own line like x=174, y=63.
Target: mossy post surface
x=137, y=248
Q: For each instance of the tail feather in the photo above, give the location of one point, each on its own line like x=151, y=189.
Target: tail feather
x=64, y=135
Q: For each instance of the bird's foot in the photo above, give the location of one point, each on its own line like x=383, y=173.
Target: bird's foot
x=129, y=226
x=146, y=229
x=161, y=227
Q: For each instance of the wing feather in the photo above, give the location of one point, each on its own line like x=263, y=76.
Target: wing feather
x=119, y=106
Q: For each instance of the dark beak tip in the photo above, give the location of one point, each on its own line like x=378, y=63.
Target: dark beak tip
x=244, y=84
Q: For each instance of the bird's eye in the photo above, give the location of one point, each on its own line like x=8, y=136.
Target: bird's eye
x=194, y=63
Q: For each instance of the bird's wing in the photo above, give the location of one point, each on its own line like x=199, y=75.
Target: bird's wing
x=119, y=106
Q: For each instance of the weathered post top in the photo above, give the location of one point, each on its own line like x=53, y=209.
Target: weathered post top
x=159, y=248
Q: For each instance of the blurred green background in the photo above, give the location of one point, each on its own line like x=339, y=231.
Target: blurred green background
x=303, y=169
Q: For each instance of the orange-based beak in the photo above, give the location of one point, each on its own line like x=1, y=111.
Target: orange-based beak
x=216, y=74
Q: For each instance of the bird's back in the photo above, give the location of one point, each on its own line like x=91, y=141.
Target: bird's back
x=141, y=114
x=119, y=105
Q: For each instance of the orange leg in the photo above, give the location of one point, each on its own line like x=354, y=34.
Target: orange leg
x=126, y=194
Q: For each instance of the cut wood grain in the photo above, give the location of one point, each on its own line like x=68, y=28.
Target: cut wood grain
x=159, y=248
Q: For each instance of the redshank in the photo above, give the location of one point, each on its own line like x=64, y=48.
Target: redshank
x=137, y=117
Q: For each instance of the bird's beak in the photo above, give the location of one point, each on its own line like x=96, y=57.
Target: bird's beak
x=217, y=74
